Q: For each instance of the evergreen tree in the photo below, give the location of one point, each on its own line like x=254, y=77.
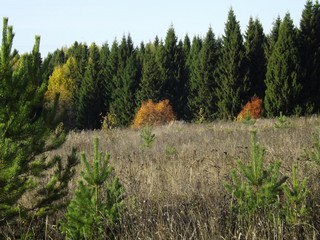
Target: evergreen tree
x=24, y=132
x=51, y=61
x=103, y=76
x=232, y=84
x=98, y=202
x=125, y=83
x=310, y=55
x=173, y=64
x=89, y=104
x=255, y=41
x=110, y=75
x=272, y=38
x=79, y=51
x=151, y=84
x=193, y=66
x=283, y=72
x=201, y=98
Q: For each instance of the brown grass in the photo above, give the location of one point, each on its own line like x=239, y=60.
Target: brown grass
x=175, y=189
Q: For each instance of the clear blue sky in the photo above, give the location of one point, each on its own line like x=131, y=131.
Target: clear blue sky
x=61, y=22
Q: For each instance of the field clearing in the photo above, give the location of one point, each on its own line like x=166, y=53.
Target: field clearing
x=175, y=188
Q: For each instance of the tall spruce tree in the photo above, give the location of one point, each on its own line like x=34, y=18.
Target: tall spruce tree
x=255, y=41
x=174, y=79
x=125, y=83
x=89, y=98
x=103, y=75
x=151, y=84
x=310, y=55
x=232, y=84
x=24, y=132
x=272, y=38
x=283, y=72
x=193, y=66
x=110, y=76
x=202, y=83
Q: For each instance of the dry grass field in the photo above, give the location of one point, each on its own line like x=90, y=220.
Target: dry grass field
x=175, y=188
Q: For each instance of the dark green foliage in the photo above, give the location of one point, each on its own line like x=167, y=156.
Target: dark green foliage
x=151, y=84
x=202, y=83
x=98, y=202
x=309, y=37
x=125, y=83
x=255, y=41
x=283, y=86
x=51, y=61
x=272, y=38
x=89, y=104
x=232, y=84
x=24, y=135
x=173, y=71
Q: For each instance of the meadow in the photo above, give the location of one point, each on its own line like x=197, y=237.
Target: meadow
x=175, y=188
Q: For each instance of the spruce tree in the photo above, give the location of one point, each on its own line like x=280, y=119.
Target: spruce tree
x=272, y=38
x=255, y=41
x=193, y=66
x=309, y=37
x=283, y=72
x=103, y=75
x=232, y=84
x=173, y=65
x=109, y=76
x=201, y=98
x=24, y=132
x=125, y=83
x=151, y=84
x=89, y=101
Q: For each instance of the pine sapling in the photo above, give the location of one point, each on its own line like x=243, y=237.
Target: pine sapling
x=147, y=136
x=295, y=208
x=98, y=201
x=314, y=155
x=256, y=186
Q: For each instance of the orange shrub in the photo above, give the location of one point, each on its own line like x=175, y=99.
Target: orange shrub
x=252, y=109
x=153, y=114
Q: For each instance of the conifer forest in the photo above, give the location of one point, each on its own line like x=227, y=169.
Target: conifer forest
x=207, y=137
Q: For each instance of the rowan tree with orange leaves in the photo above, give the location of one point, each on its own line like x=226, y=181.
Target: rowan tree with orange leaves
x=252, y=109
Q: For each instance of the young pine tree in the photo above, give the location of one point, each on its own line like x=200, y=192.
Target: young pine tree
x=98, y=202
x=24, y=133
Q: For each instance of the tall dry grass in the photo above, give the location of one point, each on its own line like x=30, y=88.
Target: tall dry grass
x=175, y=188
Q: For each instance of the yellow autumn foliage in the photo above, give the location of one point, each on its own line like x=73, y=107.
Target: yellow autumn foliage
x=61, y=82
x=153, y=114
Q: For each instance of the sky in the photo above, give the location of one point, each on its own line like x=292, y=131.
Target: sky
x=62, y=22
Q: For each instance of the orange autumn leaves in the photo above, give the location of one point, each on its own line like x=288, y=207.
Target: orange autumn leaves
x=252, y=109
x=153, y=114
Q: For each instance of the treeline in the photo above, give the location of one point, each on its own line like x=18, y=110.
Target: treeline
x=208, y=77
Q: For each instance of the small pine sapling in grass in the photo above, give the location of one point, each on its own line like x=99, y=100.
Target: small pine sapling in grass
x=147, y=136
x=282, y=122
x=314, y=155
x=98, y=202
x=254, y=186
x=295, y=206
